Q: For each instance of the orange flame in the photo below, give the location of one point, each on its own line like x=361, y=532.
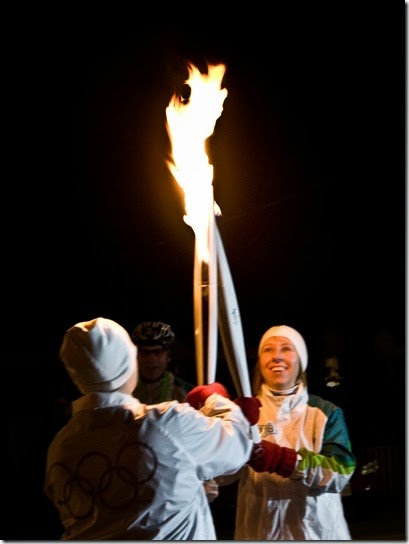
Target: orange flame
x=189, y=124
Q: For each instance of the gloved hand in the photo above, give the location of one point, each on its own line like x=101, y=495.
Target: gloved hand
x=197, y=396
x=250, y=407
x=269, y=457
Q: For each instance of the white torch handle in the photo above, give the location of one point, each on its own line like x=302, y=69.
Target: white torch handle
x=212, y=297
x=231, y=330
x=198, y=315
x=205, y=306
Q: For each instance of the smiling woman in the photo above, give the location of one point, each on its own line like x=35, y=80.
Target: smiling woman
x=316, y=429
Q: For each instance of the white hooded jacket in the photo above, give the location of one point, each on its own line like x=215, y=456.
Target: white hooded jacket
x=141, y=476
x=307, y=505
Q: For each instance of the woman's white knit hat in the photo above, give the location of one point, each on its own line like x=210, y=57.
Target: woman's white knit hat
x=99, y=355
x=295, y=338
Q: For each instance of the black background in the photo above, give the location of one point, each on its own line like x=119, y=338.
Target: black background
x=308, y=157
x=309, y=171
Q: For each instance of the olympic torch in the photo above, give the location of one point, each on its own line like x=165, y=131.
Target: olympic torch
x=190, y=122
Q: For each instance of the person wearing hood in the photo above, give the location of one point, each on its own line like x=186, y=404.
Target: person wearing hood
x=302, y=502
x=123, y=470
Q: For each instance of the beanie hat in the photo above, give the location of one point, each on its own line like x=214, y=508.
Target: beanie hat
x=294, y=336
x=99, y=355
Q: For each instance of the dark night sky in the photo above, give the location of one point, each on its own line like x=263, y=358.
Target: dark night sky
x=309, y=160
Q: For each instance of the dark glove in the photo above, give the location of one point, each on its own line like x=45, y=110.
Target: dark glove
x=268, y=457
x=197, y=396
x=250, y=407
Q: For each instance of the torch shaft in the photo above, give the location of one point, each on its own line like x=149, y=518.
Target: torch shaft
x=198, y=315
x=205, y=309
x=212, y=298
x=231, y=330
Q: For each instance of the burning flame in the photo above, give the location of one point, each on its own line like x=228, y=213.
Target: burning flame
x=190, y=123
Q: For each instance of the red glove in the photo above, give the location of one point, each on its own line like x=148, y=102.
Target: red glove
x=250, y=407
x=197, y=396
x=269, y=457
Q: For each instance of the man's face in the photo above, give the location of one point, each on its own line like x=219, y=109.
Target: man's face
x=152, y=362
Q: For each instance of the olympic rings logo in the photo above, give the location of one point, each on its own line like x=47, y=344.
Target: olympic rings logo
x=115, y=484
